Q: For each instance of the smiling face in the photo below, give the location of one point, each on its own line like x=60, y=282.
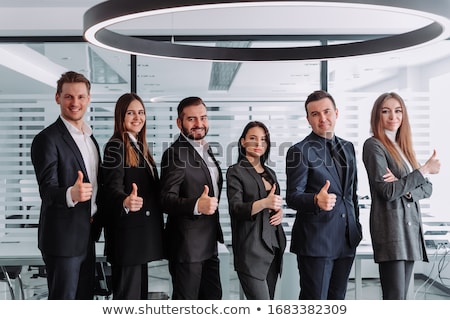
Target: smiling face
x=73, y=100
x=322, y=115
x=134, y=117
x=254, y=142
x=194, y=122
x=391, y=114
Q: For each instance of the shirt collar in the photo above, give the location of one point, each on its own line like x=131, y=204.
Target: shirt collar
x=320, y=138
x=85, y=129
x=196, y=143
x=132, y=137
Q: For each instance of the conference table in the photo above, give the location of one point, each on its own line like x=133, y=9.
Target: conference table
x=288, y=288
x=26, y=253
x=13, y=253
x=22, y=253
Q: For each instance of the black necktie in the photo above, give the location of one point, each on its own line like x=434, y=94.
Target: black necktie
x=338, y=159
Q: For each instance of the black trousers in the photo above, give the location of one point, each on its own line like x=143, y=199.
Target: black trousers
x=256, y=289
x=196, y=281
x=395, y=277
x=130, y=282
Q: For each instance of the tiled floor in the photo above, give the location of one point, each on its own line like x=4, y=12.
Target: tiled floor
x=35, y=288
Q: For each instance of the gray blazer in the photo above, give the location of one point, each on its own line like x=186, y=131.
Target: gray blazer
x=395, y=219
x=251, y=234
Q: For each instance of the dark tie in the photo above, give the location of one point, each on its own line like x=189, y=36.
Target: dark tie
x=338, y=159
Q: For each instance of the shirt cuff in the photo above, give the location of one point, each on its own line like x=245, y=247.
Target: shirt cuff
x=70, y=202
x=196, y=213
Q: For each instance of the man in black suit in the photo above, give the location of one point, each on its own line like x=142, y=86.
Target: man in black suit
x=66, y=160
x=191, y=182
x=321, y=187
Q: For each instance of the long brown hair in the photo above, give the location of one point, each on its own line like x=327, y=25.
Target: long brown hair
x=120, y=132
x=403, y=137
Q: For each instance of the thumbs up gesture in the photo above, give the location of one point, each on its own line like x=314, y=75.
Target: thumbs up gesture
x=325, y=200
x=273, y=201
x=432, y=166
x=133, y=202
x=81, y=191
x=207, y=205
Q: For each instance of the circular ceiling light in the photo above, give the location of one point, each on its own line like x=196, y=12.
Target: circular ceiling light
x=98, y=18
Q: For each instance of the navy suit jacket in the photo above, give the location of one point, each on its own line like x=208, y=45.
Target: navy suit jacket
x=189, y=237
x=62, y=231
x=319, y=233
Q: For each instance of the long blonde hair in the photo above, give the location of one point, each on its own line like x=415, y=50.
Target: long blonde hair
x=403, y=137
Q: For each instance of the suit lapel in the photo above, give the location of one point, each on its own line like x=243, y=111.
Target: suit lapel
x=347, y=161
x=323, y=155
x=203, y=165
x=398, y=171
x=256, y=177
x=211, y=154
x=265, y=214
x=65, y=134
x=142, y=159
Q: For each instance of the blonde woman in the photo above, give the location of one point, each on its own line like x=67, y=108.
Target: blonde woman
x=397, y=183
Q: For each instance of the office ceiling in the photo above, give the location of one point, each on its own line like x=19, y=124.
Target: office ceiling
x=168, y=79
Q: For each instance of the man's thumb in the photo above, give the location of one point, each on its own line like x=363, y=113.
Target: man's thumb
x=80, y=177
x=326, y=186
x=205, y=191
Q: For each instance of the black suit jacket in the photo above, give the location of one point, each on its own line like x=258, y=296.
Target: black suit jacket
x=137, y=237
x=251, y=234
x=316, y=232
x=62, y=231
x=189, y=237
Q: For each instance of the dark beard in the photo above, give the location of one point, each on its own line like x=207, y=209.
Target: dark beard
x=188, y=134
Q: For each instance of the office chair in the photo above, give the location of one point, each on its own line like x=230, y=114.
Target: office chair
x=12, y=272
x=29, y=194
x=103, y=278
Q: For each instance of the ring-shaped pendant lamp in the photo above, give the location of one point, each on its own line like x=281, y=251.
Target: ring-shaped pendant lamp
x=98, y=18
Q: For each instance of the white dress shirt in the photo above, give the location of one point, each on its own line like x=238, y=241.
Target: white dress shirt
x=201, y=146
x=91, y=160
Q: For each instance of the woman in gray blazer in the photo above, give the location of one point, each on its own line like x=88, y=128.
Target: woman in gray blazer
x=254, y=202
x=397, y=183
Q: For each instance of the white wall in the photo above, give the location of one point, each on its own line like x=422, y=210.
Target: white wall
x=440, y=115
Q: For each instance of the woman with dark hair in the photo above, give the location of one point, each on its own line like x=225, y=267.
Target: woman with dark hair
x=134, y=220
x=397, y=183
x=255, y=207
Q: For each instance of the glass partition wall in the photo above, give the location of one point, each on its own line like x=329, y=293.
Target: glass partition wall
x=235, y=93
